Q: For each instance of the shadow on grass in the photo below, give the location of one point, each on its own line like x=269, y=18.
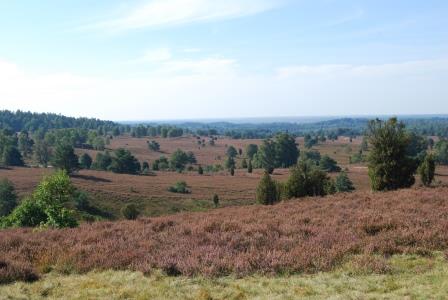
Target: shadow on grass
x=91, y=178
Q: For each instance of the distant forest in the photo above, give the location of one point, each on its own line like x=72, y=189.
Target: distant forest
x=44, y=122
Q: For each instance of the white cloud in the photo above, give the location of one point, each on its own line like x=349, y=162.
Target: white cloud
x=214, y=87
x=155, y=55
x=156, y=13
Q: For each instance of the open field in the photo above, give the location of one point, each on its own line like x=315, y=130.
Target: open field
x=402, y=277
x=295, y=237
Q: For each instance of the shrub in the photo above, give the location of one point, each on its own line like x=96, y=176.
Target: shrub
x=267, y=192
x=124, y=162
x=85, y=161
x=8, y=197
x=427, y=170
x=249, y=167
x=215, y=200
x=390, y=166
x=45, y=207
x=343, y=183
x=200, y=170
x=65, y=158
x=180, y=187
x=232, y=171
x=12, y=157
x=328, y=164
x=130, y=212
x=154, y=146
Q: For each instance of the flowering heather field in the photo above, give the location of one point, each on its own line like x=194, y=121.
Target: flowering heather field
x=300, y=236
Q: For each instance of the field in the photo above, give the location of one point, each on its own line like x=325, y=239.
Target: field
x=110, y=192
x=366, y=244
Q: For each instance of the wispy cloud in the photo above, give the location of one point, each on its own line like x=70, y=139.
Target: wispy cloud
x=158, y=13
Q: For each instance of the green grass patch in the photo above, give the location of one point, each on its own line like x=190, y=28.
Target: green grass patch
x=400, y=277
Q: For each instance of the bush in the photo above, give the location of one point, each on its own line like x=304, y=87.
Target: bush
x=267, y=192
x=12, y=157
x=8, y=197
x=65, y=158
x=216, y=200
x=427, y=170
x=180, y=187
x=46, y=206
x=85, y=161
x=130, y=212
x=124, y=162
x=328, y=164
x=343, y=184
x=200, y=170
x=390, y=166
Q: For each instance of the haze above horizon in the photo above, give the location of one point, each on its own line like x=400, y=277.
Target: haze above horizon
x=235, y=59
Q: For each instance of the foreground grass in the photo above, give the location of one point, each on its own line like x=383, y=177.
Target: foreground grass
x=402, y=277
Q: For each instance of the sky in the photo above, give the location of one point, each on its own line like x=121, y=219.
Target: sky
x=204, y=59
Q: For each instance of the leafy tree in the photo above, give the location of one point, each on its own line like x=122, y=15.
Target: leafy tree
x=427, y=170
x=25, y=144
x=390, y=166
x=12, y=157
x=179, y=159
x=191, y=158
x=312, y=155
x=102, y=162
x=266, y=156
x=42, y=153
x=161, y=164
x=154, y=146
x=8, y=197
x=328, y=164
x=85, y=161
x=343, y=183
x=65, y=158
x=130, y=211
x=441, y=152
x=310, y=141
x=216, y=200
x=124, y=162
x=251, y=150
x=267, y=193
x=357, y=158
x=287, y=152
x=306, y=179
x=46, y=206
x=231, y=152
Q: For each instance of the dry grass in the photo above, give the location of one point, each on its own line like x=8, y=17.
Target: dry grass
x=302, y=236
x=409, y=277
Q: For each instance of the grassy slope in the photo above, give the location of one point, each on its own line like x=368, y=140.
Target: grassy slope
x=408, y=277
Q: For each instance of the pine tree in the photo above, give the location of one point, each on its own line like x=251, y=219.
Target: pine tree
x=216, y=200
x=427, y=170
x=267, y=190
x=343, y=183
x=249, y=167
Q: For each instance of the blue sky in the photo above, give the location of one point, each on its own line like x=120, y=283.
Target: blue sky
x=170, y=59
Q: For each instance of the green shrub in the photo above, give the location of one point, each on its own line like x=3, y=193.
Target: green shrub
x=267, y=192
x=180, y=187
x=8, y=197
x=343, y=183
x=130, y=212
x=427, y=170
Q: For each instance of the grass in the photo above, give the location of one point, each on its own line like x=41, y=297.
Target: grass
x=406, y=277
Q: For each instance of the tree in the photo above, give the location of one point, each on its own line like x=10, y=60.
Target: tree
x=231, y=152
x=266, y=156
x=130, y=211
x=251, y=150
x=249, y=167
x=200, y=170
x=427, y=170
x=306, y=179
x=310, y=141
x=328, y=164
x=179, y=159
x=42, y=152
x=441, y=152
x=286, y=150
x=390, y=166
x=124, y=162
x=12, y=157
x=232, y=171
x=244, y=163
x=154, y=146
x=215, y=200
x=229, y=163
x=102, y=161
x=25, y=144
x=343, y=183
x=65, y=158
x=85, y=161
x=8, y=197
x=46, y=206
x=267, y=193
